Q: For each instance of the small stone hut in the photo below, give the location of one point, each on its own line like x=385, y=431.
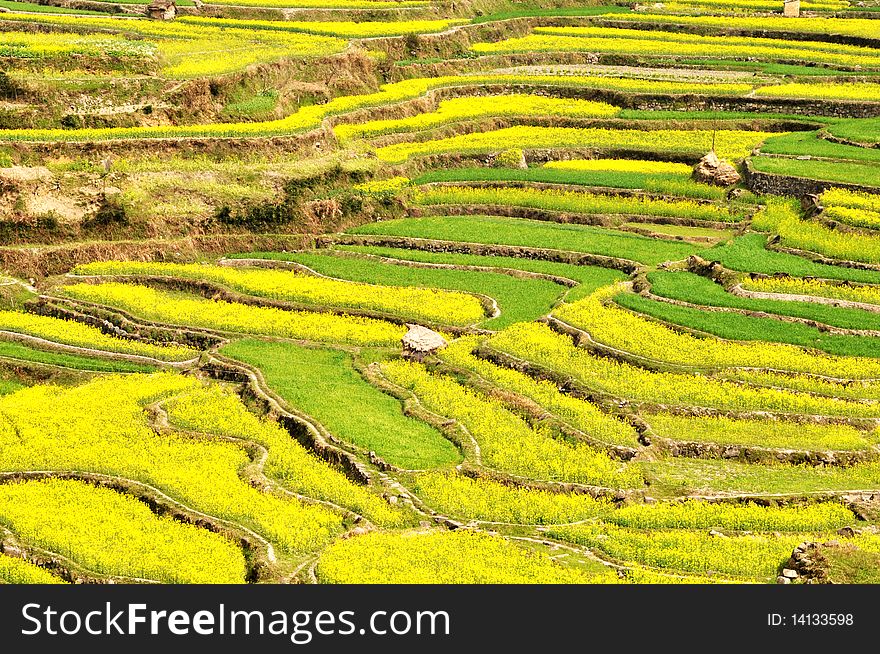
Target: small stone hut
x=420, y=341
x=791, y=8
x=162, y=10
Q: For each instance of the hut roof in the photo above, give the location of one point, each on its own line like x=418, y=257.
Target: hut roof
x=422, y=339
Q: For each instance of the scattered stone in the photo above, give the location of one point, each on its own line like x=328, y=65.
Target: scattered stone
x=789, y=573
x=782, y=580
x=847, y=532
x=712, y=170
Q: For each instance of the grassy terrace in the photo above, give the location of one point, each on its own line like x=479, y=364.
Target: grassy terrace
x=518, y=232
x=350, y=408
x=738, y=327
x=748, y=253
x=589, y=278
x=810, y=143
x=698, y=290
x=865, y=174
x=518, y=299
x=659, y=183
x=596, y=400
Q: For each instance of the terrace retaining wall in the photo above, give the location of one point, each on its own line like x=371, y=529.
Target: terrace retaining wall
x=761, y=183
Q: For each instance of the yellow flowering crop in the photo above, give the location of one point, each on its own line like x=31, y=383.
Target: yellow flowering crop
x=506, y=441
x=215, y=410
x=18, y=571
x=461, y=109
x=447, y=307
x=614, y=326
x=115, y=534
x=341, y=29
x=815, y=287
x=541, y=345
x=623, y=166
x=574, y=201
x=101, y=427
x=729, y=144
x=77, y=334
x=443, y=557
x=655, y=42
x=179, y=309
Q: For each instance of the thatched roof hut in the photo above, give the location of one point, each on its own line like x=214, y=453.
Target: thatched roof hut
x=419, y=341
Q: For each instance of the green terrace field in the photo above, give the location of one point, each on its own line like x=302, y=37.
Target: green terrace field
x=355, y=291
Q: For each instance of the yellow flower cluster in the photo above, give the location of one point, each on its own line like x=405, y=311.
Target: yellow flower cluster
x=461, y=109
x=810, y=25
x=215, y=410
x=447, y=307
x=729, y=144
x=840, y=197
x=178, y=309
x=655, y=42
x=310, y=117
x=506, y=441
x=611, y=325
x=856, y=91
x=77, y=334
x=541, y=345
x=815, y=287
x=855, y=217
x=190, y=49
x=341, y=29
x=101, y=427
x=482, y=499
x=18, y=571
x=575, y=202
x=756, y=557
x=761, y=433
x=823, y=516
x=382, y=187
x=443, y=557
x=576, y=412
x=27, y=45
x=782, y=217
x=115, y=534
x=623, y=166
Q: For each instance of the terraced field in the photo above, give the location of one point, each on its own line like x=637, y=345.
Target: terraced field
x=354, y=291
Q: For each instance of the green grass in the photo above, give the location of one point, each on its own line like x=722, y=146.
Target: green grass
x=866, y=130
x=809, y=143
x=667, y=184
x=259, y=104
x=679, y=475
x=850, y=565
x=738, y=327
x=495, y=230
x=12, y=5
x=695, y=289
x=519, y=299
x=681, y=230
x=748, y=253
x=22, y=352
x=866, y=174
x=325, y=385
x=590, y=278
